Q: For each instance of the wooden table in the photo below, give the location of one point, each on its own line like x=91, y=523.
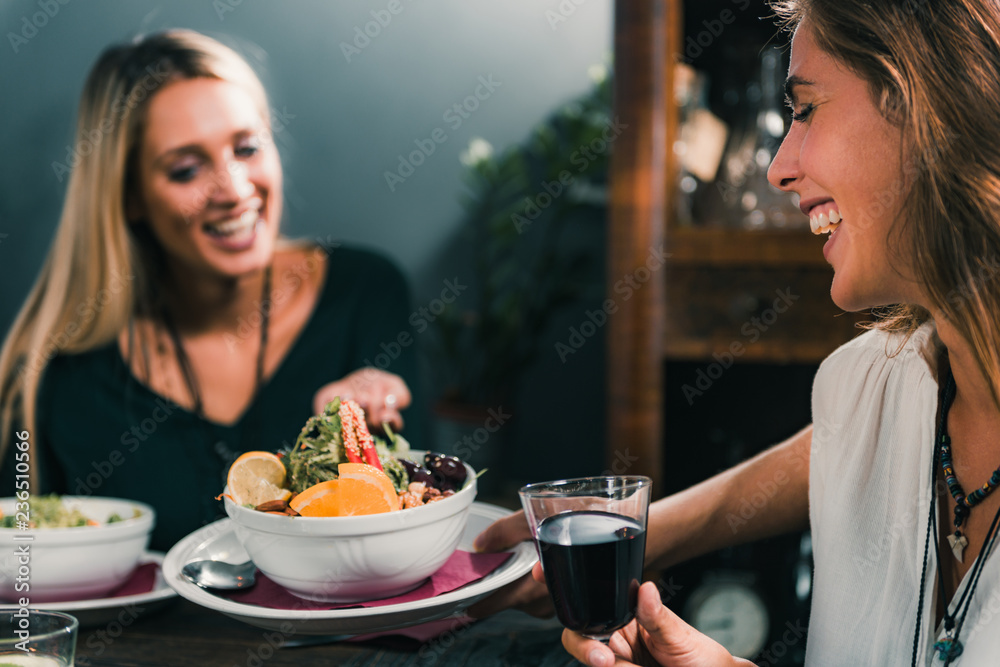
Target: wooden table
x=183, y=633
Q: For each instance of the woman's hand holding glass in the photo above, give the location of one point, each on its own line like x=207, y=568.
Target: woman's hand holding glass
x=656, y=637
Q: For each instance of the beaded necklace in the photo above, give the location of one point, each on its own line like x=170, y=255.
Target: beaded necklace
x=950, y=647
x=963, y=503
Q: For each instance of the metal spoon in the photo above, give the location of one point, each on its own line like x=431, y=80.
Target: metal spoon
x=220, y=575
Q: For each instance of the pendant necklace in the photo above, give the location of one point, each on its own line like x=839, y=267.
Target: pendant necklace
x=950, y=647
x=963, y=503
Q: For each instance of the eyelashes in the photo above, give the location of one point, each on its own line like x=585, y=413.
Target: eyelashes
x=248, y=150
x=188, y=172
x=803, y=114
x=182, y=175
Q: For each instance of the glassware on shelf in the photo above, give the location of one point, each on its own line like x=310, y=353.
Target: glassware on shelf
x=751, y=201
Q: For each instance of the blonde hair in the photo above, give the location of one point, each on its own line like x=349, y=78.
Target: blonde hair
x=933, y=69
x=100, y=270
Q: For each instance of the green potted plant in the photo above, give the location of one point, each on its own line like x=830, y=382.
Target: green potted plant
x=521, y=206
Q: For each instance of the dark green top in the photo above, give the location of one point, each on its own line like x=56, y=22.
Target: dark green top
x=103, y=433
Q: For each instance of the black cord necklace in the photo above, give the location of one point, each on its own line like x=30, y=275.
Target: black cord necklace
x=949, y=647
x=185, y=363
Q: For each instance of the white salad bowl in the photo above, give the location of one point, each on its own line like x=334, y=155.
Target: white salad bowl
x=354, y=558
x=85, y=562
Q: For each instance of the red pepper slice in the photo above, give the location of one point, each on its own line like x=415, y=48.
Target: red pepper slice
x=352, y=454
x=357, y=439
x=371, y=456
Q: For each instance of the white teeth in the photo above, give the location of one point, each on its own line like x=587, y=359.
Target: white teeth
x=824, y=223
x=241, y=225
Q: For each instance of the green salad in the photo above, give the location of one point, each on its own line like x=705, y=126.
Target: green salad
x=50, y=512
x=319, y=449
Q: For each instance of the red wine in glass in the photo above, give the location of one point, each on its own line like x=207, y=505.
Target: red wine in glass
x=593, y=565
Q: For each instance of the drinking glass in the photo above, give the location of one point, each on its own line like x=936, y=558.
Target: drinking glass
x=590, y=533
x=33, y=638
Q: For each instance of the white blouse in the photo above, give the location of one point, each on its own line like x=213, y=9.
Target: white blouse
x=869, y=497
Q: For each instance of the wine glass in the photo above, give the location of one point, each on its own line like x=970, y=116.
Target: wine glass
x=590, y=533
x=37, y=638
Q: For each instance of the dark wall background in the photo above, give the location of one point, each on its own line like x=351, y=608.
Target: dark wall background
x=344, y=122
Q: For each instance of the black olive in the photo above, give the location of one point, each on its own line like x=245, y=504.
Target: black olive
x=448, y=471
x=417, y=473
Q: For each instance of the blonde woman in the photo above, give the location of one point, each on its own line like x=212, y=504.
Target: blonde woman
x=894, y=151
x=172, y=328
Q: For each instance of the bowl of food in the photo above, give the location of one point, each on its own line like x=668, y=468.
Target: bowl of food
x=57, y=549
x=336, y=519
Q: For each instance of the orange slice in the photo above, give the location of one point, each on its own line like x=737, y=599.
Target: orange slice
x=318, y=500
x=361, y=489
x=364, y=489
x=358, y=497
x=257, y=477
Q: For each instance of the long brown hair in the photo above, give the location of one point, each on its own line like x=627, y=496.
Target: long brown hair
x=98, y=274
x=933, y=69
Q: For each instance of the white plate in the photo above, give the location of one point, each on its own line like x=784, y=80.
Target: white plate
x=217, y=541
x=123, y=610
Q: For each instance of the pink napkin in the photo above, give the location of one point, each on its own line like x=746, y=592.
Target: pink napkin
x=460, y=569
x=142, y=580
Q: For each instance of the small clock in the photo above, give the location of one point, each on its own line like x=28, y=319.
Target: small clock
x=731, y=612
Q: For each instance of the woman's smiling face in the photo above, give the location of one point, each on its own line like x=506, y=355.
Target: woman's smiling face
x=846, y=162
x=209, y=178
